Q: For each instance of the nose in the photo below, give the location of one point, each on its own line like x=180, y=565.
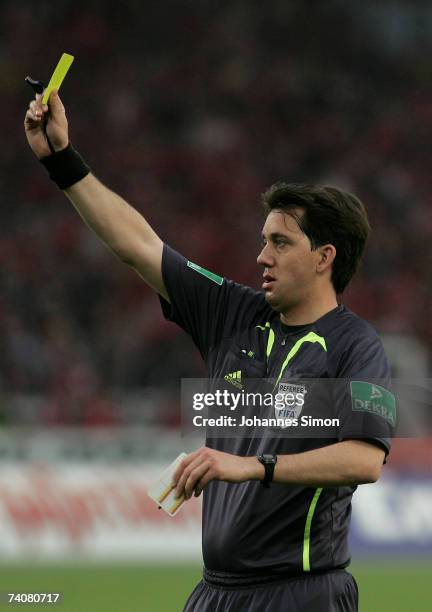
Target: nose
x=265, y=258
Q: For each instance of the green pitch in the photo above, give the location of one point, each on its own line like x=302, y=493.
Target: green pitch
x=133, y=588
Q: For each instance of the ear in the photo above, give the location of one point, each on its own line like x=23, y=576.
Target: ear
x=326, y=257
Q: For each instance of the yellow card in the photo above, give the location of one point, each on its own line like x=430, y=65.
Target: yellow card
x=58, y=75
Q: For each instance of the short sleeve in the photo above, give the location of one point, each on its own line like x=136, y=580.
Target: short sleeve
x=205, y=305
x=365, y=404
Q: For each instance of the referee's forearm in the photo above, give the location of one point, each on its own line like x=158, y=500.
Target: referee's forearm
x=116, y=223
x=345, y=463
x=120, y=227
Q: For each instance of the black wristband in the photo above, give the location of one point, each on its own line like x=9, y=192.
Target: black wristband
x=65, y=167
x=269, y=463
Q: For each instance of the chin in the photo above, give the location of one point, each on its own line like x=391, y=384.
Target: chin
x=278, y=305
x=272, y=300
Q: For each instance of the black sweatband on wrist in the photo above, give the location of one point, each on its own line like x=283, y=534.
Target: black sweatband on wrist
x=65, y=167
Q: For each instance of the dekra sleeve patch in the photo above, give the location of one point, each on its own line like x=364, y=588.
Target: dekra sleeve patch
x=372, y=398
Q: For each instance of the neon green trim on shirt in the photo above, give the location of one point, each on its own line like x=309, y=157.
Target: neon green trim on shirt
x=310, y=337
x=306, y=538
x=270, y=339
x=270, y=342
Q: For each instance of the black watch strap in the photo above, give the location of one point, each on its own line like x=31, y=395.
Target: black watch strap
x=269, y=462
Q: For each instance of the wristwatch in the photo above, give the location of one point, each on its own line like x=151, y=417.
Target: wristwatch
x=269, y=462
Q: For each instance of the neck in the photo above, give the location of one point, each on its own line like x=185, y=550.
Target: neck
x=304, y=313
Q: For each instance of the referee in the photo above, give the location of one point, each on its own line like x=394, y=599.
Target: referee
x=276, y=506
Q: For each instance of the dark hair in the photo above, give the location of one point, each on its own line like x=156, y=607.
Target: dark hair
x=331, y=216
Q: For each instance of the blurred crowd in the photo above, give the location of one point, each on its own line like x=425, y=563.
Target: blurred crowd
x=190, y=110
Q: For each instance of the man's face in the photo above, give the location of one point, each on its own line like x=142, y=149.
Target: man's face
x=289, y=263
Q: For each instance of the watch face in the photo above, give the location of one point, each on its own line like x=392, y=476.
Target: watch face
x=269, y=458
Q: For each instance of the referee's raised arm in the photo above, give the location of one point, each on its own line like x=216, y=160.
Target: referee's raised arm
x=117, y=224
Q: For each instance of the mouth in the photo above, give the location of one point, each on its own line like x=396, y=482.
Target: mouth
x=269, y=282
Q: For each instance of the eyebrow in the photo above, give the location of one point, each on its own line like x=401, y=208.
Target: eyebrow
x=276, y=236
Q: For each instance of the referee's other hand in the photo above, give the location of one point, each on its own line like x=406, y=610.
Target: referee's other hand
x=46, y=120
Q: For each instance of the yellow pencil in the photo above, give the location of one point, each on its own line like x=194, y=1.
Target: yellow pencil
x=176, y=504
x=165, y=493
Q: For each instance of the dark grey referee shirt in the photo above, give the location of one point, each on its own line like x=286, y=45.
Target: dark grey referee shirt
x=283, y=529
